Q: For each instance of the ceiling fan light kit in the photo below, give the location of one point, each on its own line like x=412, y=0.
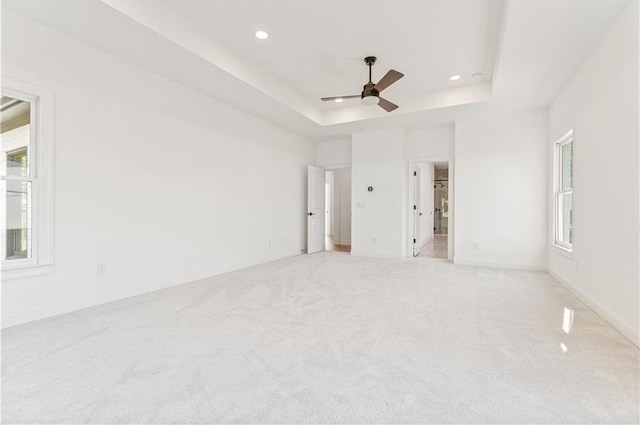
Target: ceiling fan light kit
x=371, y=91
x=370, y=100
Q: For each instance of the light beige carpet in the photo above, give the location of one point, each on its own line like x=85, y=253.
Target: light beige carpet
x=327, y=338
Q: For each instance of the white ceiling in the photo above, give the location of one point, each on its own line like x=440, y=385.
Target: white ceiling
x=545, y=42
x=527, y=49
x=317, y=47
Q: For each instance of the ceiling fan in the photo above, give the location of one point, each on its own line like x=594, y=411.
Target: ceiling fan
x=371, y=91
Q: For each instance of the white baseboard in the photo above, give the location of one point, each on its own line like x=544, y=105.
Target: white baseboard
x=391, y=255
x=621, y=326
x=514, y=266
x=70, y=306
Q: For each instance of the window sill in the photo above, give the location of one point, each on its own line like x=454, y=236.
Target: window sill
x=565, y=252
x=27, y=271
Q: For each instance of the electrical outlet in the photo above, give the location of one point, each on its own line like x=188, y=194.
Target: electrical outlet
x=476, y=246
x=101, y=269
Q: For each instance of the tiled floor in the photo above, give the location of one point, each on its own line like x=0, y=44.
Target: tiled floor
x=435, y=248
x=328, y=338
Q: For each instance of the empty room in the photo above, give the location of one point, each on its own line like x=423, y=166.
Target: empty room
x=320, y=211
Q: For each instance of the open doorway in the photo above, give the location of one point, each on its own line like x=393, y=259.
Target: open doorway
x=430, y=210
x=338, y=210
x=437, y=247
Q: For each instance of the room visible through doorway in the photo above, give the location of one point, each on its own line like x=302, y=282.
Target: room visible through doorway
x=431, y=210
x=338, y=210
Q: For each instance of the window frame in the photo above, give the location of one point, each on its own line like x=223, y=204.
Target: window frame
x=558, y=191
x=40, y=174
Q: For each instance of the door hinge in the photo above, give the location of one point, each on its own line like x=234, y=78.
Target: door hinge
x=414, y=241
x=415, y=207
x=415, y=173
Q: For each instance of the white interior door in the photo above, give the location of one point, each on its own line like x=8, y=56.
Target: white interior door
x=416, y=212
x=315, y=209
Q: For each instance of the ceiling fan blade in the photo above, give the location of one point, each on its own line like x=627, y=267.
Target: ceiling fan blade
x=386, y=105
x=390, y=77
x=326, y=99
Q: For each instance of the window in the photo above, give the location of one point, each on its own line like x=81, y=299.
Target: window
x=18, y=212
x=563, y=183
x=26, y=176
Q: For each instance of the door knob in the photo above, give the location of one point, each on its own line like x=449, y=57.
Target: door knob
x=310, y=213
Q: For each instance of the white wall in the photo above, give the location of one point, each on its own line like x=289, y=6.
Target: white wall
x=158, y=182
x=334, y=153
x=501, y=190
x=433, y=142
x=379, y=227
x=600, y=104
x=429, y=143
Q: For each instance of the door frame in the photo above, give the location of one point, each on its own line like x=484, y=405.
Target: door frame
x=411, y=198
x=416, y=209
x=338, y=220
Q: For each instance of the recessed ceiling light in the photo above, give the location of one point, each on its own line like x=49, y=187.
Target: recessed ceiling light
x=262, y=35
x=339, y=100
x=455, y=77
